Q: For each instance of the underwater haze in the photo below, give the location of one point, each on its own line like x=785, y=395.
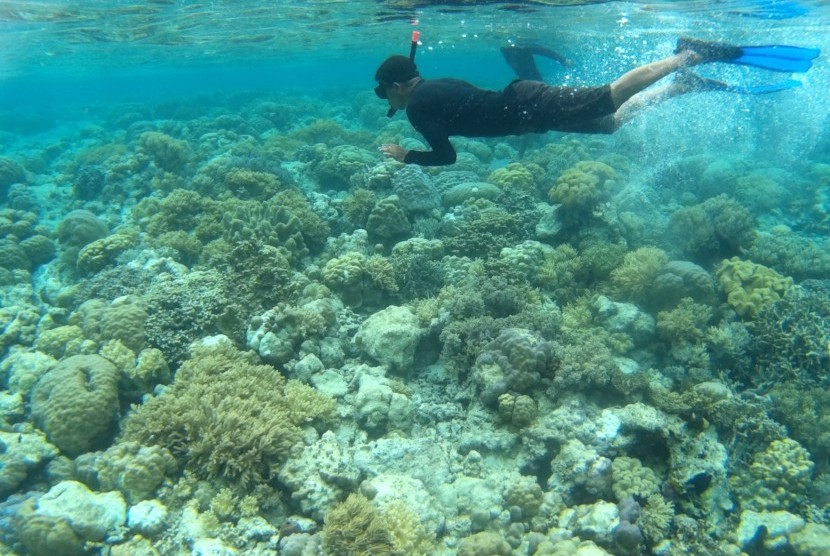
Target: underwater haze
x=229, y=325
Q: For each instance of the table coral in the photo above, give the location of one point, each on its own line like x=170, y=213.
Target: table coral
x=76, y=403
x=751, y=287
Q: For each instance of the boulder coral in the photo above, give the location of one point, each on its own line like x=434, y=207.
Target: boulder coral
x=390, y=337
x=128, y=467
x=513, y=362
x=751, y=287
x=717, y=227
x=387, y=220
x=76, y=403
x=80, y=228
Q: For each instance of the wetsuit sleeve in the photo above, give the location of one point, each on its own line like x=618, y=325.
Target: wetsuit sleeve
x=442, y=152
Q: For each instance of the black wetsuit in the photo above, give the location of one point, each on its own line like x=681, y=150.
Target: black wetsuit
x=441, y=108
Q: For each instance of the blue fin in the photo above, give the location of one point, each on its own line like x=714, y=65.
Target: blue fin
x=789, y=59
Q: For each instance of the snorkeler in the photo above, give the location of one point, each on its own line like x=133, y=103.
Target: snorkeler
x=520, y=57
x=441, y=108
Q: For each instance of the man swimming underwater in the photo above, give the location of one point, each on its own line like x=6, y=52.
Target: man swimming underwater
x=441, y=108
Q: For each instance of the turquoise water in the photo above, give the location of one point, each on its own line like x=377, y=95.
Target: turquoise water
x=229, y=325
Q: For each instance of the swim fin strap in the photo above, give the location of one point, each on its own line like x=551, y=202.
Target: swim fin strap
x=778, y=57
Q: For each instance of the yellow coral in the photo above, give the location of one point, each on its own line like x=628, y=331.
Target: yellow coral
x=514, y=179
x=750, y=287
x=583, y=185
x=634, y=278
x=631, y=478
x=102, y=252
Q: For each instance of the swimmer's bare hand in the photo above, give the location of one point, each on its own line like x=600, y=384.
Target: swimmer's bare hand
x=393, y=151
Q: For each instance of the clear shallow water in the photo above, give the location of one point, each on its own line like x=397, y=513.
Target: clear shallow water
x=173, y=124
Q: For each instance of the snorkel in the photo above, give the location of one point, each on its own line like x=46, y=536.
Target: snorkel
x=413, y=48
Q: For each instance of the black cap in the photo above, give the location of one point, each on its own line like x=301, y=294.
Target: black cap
x=395, y=69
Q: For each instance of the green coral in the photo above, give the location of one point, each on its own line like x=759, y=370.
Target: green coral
x=134, y=470
x=631, y=478
x=226, y=417
x=484, y=543
x=524, y=493
x=359, y=279
x=166, y=152
x=516, y=181
x=102, y=252
x=685, y=324
x=62, y=341
x=355, y=527
x=634, y=278
x=751, y=287
x=482, y=230
x=778, y=478
x=340, y=164
x=44, y=535
x=358, y=205
x=250, y=184
x=387, y=220
x=717, y=227
x=518, y=411
x=582, y=186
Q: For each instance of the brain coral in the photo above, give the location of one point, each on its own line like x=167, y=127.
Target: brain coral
x=79, y=228
x=750, y=287
x=76, y=403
